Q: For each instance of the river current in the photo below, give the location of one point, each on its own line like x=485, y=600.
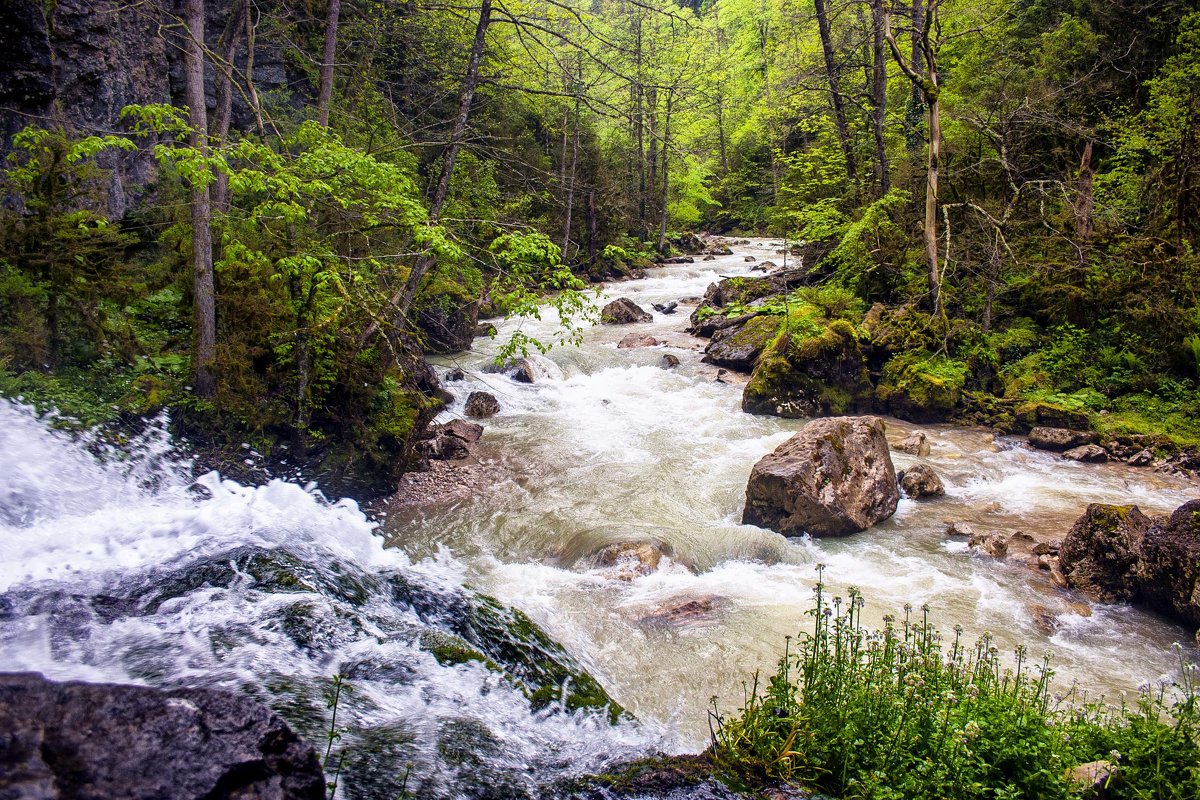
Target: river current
x=608, y=445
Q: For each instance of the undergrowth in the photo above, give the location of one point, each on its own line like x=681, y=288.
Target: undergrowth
x=906, y=713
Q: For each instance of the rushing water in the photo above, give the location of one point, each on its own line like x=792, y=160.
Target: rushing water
x=124, y=568
x=610, y=446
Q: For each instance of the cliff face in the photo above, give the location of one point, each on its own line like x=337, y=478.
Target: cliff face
x=77, y=63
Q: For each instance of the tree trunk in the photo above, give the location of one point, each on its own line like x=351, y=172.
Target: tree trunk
x=402, y=300
x=913, y=115
x=666, y=176
x=331, y=31
x=652, y=146
x=879, y=98
x=1085, y=205
x=251, y=35
x=224, y=91
x=835, y=92
x=204, y=300
x=592, y=226
x=571, y=180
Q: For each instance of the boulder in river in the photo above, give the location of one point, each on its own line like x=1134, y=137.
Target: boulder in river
x=670, y=361
x=738, y=347
x=469, y=432
x=1101, y=552
x=915, y=444
x=1088, y=454
x=95, y=740
x=1169, y=571
x=666, y=308
x=623, y=311
x=1060, y=439
x=633, y=340
x=482, y=404
x=919, y=481
x=628, y=560
x=833, y=478
x=520, y=370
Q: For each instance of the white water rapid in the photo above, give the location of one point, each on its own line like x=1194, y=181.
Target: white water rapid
x=125, y=569
x=609, y=446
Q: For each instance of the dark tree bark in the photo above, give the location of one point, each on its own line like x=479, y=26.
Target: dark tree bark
x=1085, y=204
x=203, y=289
x=226, y=50
x=879, y=97
x=666, y=175
x=835, y=92
x=251, y=35
x=331, y=33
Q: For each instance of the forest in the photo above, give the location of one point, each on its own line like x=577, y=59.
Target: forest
x=265, y=238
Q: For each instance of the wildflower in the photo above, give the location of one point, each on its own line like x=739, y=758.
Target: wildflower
x=1114, y=755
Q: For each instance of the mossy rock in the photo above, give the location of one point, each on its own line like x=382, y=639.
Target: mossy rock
x=922, y=388
x=511, y=641
x=981, y=408
x=899, y=330
x=1034, y=413
x=692, y=776
x=739, y=347
x=811, y=376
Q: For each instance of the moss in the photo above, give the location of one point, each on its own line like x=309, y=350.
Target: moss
x=922, y=387
x=812, y=369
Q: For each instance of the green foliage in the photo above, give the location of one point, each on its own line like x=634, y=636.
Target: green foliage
x=904, y=713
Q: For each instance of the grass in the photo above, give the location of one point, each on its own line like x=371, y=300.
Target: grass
x=906, y=713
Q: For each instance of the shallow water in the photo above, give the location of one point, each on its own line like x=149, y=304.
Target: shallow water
x=610, y=446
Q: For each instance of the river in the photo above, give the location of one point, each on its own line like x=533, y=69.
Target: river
x=127, y=569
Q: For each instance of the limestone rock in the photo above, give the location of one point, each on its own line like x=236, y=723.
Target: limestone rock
x=90, y=740
x=833, y=478
x=623, y=311
x=915, y=444
x=634, y=340
x=920, y=481
x=1060, y=439
x=1088, y=454
x=482, y=404
x=1100, y=554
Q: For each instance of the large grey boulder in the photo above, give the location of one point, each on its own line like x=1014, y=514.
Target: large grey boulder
x=98, y=741
x=1169, y=571
x=833, y=478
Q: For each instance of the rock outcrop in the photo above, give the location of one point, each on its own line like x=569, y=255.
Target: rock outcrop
x=833, y=478
x=86, y=740
x=448, y=323
x=623, y=311
x=819, y=375
x=1169, y=571
x=1101, y=552
x=738, y=347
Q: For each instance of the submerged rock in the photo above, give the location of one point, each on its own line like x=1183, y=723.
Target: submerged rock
x=666, y=308
x=625, y=561
x=521, y=370
x=670, y=361
x=81, y=740
x=634, y=340
x=920, y=481
x=623, y=311
x=833, y=478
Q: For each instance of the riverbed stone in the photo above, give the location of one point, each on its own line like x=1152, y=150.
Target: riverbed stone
x=915, y=444
x=635, y=340
x=920, y=481
x=521, y=370
x=89, y=740
x=1060, y=440
x=1087, y=454
x=625, y=561
x=670, y=361
x=995, y=544
x=482, y=404
x=461, y=429
x=623, y=311
x=835, y=477
x=1100, y=554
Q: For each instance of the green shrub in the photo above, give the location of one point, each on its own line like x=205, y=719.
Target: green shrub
x=903, y=713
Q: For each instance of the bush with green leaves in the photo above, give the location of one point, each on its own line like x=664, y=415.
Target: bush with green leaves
x=905, y=713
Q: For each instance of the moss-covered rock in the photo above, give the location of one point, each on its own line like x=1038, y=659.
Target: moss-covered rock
x=920, y=387
x=809, y=372
x=738, y=347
